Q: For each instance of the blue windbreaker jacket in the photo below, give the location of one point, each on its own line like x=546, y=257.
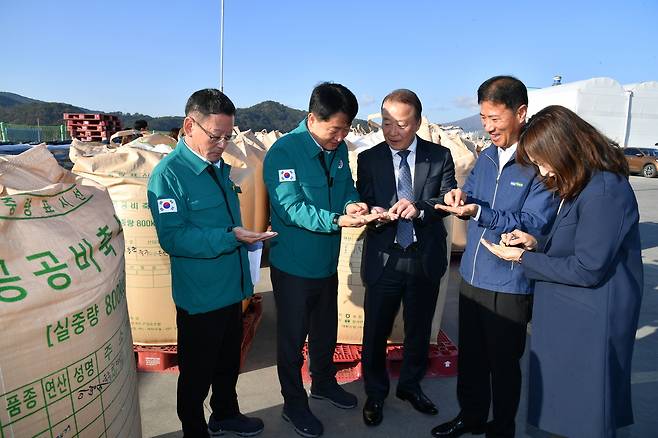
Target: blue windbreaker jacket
x=517, y=199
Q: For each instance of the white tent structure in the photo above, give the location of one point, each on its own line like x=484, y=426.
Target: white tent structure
x=628, y=115
x=643, y=122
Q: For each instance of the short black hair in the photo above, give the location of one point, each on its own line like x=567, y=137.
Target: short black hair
x=209, y=101
x=507, y=90
x=328, y=99
x=140, y=124
x=405, y=96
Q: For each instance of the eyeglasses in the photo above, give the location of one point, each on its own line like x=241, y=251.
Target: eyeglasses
x=214, y=138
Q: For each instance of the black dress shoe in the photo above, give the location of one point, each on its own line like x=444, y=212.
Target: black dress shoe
x=456, y=427
x=418, y=400
x=373, y=412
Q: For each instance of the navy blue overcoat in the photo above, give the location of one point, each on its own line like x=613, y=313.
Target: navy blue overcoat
x=588, y=290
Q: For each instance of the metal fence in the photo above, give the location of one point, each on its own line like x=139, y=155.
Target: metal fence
x=10, y=132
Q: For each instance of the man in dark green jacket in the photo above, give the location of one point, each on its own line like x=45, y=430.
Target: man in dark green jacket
x=197, y=217
x=312, y=196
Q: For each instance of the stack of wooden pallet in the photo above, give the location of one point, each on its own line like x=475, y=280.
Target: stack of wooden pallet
x=91, y=127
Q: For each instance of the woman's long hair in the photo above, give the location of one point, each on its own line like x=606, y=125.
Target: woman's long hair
x=574, y=149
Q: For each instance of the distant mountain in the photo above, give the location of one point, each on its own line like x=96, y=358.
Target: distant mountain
x=43, y=113
x=468, y=124
x=268, y=115
x=10, y=99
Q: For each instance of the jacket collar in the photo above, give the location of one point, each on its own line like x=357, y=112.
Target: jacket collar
x=422, y=167
x=567, y=206
x=192, y=160
x=564, y=211
x=310, y=145
x=412, y=148
x=492, y=152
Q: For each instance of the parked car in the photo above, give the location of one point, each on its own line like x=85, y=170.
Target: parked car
x=642, y=160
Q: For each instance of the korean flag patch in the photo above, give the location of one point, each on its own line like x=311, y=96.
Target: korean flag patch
x=167, y=206
x=287, y=175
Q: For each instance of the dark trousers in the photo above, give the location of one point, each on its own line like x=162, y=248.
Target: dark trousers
x=492, y=336
x=402, y=280
x=208, y=356
x=304, y=306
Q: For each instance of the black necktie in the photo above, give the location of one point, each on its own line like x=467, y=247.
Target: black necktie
x=212, y=170
x=325, y=166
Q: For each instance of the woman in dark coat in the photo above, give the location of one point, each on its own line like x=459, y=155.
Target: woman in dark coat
x=588, y=279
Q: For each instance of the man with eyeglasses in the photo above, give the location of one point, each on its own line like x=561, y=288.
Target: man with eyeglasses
x=312, y=196
x=196, y=212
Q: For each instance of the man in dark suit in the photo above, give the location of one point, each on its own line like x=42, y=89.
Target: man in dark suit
x=404, y=255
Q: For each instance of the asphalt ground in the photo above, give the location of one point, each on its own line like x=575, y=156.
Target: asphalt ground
x=259, y=391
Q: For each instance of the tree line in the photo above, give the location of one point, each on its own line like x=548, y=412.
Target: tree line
x=268, y=115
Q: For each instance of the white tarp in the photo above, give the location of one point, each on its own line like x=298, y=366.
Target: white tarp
x=603, y=102
x=643, y=123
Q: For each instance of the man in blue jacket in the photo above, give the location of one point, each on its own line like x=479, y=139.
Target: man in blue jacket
x=495, y=299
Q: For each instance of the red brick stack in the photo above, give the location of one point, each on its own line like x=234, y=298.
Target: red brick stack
x=91, y=127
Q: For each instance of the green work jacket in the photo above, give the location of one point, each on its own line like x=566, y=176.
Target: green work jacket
x=304, y=198
x=194, y=221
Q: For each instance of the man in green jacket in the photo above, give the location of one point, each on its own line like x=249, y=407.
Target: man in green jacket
x=197, y=217
x=312, y=196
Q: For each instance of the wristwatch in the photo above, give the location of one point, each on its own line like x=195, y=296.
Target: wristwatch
x=334, y=220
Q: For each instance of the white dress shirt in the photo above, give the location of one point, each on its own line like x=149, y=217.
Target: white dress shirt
x=504, y=155
x=411, y=161
x=218, y=164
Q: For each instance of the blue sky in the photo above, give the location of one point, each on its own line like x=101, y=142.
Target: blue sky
x=148, y=56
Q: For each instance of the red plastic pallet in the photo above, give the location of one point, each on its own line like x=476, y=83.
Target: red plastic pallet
x=83, y=122
x=95, y=134
x=93, y=127
x=89, y=116
x=347, y=359
x=92, y=133
x=250, y=322
x=442, y=358
x=161, y=358
x=164, y=358
x=96, y=139
x=90, y=138
x=444, y=363
x=88, y=132
x=82, y=135
x=90, y=128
